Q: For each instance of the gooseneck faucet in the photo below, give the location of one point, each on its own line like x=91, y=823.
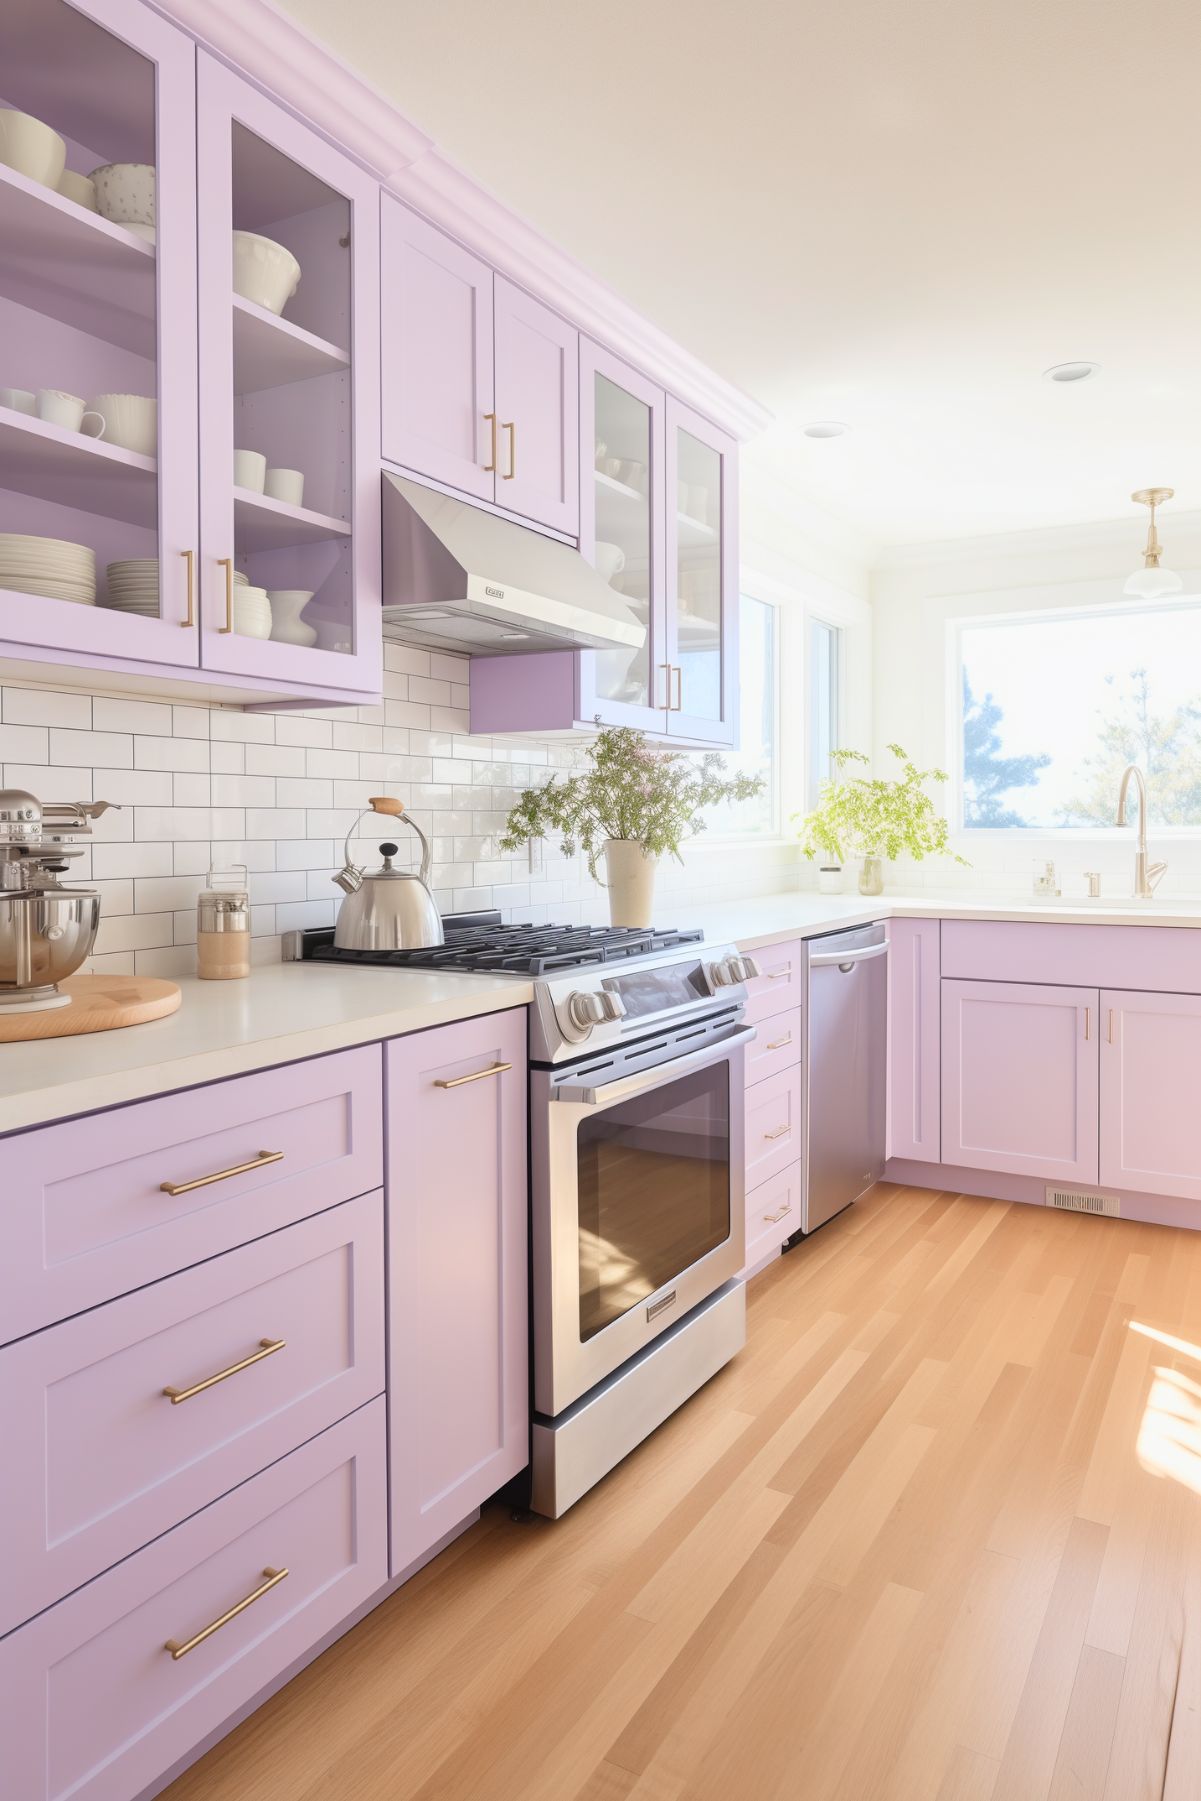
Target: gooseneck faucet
x=1147, y=876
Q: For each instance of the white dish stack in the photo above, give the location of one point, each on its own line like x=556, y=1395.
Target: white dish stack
x=55, y=568
x=133, y=586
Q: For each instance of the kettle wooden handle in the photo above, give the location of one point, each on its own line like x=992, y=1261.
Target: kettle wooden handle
x=384, y=803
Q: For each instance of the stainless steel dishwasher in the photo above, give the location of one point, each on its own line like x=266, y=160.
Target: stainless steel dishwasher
x=845, y=1070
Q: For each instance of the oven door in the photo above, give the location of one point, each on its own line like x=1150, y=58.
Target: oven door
x=639, y=1210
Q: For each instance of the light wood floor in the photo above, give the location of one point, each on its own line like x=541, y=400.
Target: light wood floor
x=904, y=1548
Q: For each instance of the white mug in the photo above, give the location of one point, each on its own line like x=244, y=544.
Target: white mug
x=286, y=485
x=250, y=470
x=21, y=400
x=129, y=420
x=57, y=407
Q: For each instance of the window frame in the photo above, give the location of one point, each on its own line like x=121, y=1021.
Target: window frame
x=774, y=833
x=836, y=661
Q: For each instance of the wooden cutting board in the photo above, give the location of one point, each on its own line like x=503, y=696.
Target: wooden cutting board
x=98, y=1004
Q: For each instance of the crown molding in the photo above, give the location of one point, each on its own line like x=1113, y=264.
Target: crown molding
x=272, y=51
x=1122, y=535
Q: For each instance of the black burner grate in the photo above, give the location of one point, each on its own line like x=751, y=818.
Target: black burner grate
x=513, y=949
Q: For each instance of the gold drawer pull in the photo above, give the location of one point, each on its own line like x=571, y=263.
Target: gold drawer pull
x=508, y=425
x=274, y=1577
x=267, y=1348
x=222, y=1175
x=773, y=1219
x=497, y=1069
x=490, y=465
x=777, y=1044
x=780, y=1132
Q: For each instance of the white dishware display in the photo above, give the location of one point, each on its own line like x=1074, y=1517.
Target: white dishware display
x=264, y=271
x=20, y=400
x=57, y=407
x=130, y=421
x=125, y=193
x=250, y=470
x=55, y=568
x=252, y=611
x=79, y=188
x=31, y=148
x=333, y=634
x=610, y=559
x=287, y=627
x=132, y=586
x=285, y=484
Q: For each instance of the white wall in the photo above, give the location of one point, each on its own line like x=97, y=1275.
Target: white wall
x=917, y=594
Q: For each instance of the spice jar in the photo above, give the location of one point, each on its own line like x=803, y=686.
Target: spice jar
x=223, y=927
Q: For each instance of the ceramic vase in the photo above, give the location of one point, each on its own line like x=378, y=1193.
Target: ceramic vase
x=871, y=875
x=287, y=626
x=630, y=874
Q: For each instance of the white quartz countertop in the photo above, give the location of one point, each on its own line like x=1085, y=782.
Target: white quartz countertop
x=290, y=1010
x=280, y=1012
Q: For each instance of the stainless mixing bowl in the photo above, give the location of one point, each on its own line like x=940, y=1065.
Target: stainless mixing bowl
x=44, y=936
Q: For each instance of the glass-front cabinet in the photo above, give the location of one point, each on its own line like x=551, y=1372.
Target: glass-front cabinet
x=702, y=579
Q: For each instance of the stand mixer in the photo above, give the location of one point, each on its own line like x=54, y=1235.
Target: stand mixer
x=46, y=930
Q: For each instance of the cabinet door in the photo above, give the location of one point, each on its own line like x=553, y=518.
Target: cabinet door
x=622, y=450
x=1019, y=1079
x=537, y=410
x=289, y=370
x=436, y=367
x=1150, y=1053
x=701, y=511
x=914, y=1040
x=458, y=1383
x=98, y=311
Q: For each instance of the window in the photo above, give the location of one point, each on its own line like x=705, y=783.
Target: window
x=825, y=676
x=1055, y=706
x=758, y=668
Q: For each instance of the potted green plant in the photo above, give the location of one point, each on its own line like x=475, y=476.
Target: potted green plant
x=631, y=804
x=872, y=818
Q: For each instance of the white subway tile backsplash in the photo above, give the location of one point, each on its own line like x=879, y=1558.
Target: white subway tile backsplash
x=172, y=753
x=24, y=744
x=406, y=660
x=305, y=791
x=131, y=859
x=331, y=763
x=190, y=790
x=190, y=722
x=230, y=759
x=113, y=750
x=242, y=728
x=166, y=894
x=135, y=787
x=243, y=790
x=50, y=781
x=133, y=932
x=43, y=706
x=132, y=716
x=293, y=728
x=272, y=759
x=274, y=822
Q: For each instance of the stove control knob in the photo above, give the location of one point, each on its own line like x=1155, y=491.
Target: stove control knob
x=732, y=970
x=595, y=1009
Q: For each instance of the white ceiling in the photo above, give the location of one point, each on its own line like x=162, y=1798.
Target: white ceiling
x=893, y=214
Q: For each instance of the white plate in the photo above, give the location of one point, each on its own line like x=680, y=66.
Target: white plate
x=20, y=578
x=15, y=559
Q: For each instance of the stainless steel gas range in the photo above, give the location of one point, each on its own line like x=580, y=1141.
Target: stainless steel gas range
x=636, y=1134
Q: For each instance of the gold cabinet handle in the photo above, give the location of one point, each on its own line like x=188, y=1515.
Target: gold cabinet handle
x=777, y=975
x=780, y=1132
x=222, y=1175
x=1109, y=1031
x=189, y=557
x=177, y=1650
x=679, y=675
x=508, y=425
x=1088, y=1024
x=496, y=1069
x=773, y=1219
x=490, y=465
x=777, y=1044
x=667, y=688
x=227, y=563
x=267, y=1348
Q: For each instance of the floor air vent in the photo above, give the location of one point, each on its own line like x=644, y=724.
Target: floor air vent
x=1079, y=1200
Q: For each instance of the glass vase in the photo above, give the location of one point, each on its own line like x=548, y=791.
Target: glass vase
x=871, y=875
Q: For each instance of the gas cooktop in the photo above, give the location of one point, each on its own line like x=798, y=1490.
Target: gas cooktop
x=479, y=942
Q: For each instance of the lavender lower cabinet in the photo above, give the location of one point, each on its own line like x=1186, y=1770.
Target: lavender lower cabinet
x=773, y=1125
x=99, y=1458
x=1020, y=1079
x=914, y=1040
x=458, y=1393
x=95, y=1704
x=1150, y=1058
x=773, y=1213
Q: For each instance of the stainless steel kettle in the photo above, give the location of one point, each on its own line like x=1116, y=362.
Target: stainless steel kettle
x=386, y=909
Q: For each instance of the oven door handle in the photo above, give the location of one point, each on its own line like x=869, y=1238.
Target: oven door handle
x=626, y=1087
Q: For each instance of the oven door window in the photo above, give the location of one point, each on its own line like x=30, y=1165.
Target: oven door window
x=653, y=1179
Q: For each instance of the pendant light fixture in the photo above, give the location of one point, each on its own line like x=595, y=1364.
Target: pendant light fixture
x=1151, y=582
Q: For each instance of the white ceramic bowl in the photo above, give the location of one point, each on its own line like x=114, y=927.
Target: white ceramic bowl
x=125, y=193
x=79, y=188
x=130, y=421
x=264, y=271
x=31, y=148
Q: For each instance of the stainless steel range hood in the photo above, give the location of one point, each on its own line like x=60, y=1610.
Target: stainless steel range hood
x=463, y=579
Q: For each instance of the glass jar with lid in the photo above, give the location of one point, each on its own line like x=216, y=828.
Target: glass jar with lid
x=223, y=926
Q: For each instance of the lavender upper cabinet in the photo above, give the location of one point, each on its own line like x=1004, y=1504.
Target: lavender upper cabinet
x=105, y=313
x=623, y=445
x=436, y=367
x=289, y=348
x=1020, y=1079
x=1150, y=1051
x=914, y=1039
x=457, y=1238
x=702, y=578
x=537, y=410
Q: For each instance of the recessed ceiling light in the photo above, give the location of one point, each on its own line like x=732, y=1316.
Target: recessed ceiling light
x=826, y=428
x=1072, y=371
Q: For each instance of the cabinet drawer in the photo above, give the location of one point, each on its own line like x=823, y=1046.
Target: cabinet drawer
x=102, y=1460
x=781, y=983
x=92, y=1703
x=773, y=1213
x=87, y=1216
x=773, y=1126
x=777, y=1047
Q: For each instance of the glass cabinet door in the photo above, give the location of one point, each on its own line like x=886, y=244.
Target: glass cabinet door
x=621, y=533
x=289, y=376
x=98, y=459
x=702, y=578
